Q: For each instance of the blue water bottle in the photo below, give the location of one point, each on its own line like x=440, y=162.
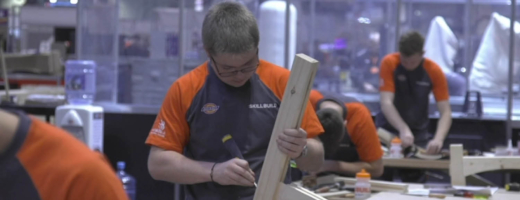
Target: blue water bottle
x=127, y=180
x=80, y=81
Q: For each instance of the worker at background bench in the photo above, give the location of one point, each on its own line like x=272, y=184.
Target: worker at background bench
x=407, y=79
x=357, y=148
x=40, y=161
x=233, y=93
x=350, y=140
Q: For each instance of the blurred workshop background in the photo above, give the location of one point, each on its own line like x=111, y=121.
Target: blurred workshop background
x=142, y=46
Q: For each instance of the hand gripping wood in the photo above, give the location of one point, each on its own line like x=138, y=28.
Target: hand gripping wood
x=290, y=115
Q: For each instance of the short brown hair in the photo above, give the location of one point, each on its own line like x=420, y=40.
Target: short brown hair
x=411, y=43
x=229, y=27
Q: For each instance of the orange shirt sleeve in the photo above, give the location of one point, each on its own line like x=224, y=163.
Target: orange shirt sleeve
x=97, y=181
x=170, y=130
x=363, y=132
x=386, y=75
x=440, y=84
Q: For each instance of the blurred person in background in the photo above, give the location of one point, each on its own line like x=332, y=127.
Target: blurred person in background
x=350, y=139
x=41, y=161
x=407, y=79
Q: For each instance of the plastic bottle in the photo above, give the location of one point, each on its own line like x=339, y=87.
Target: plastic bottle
x=362, y=190
x=80, y=81
x=396, y=151
x=128, y=181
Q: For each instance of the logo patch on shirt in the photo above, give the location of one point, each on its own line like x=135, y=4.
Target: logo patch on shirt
x=401, y=77
x=210, y=108
x=263, y=105
x=160, y=130
x=422, y=83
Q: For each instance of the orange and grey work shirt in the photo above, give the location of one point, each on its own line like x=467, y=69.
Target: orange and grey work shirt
x=412, y=90
x=199, y=110
x=362, y=142
x=47, y=163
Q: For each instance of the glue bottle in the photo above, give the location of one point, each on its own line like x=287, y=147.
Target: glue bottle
x=362, y=190
x=396, y=151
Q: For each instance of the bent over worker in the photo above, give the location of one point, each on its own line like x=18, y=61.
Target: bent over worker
x=40, y=161
x=359, y=146
x=407, y=79
x=234, y=93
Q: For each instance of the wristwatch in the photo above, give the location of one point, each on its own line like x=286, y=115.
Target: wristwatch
x=304, y=152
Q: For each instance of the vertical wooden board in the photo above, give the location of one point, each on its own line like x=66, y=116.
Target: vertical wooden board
x=290, y=114
x=457, y=165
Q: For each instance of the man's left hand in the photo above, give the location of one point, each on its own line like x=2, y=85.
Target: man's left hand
x=434, y=146
x=292, y=142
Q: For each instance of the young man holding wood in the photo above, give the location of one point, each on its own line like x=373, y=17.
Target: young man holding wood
x=350, y=140
x=407, y=79
x=235, y=93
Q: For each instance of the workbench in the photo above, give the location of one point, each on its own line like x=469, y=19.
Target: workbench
x=394, y=191
x=499, y=195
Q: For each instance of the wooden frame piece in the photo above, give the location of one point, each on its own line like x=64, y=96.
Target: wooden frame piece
x=290, y=114
x=296, y=192
x=462, y=166
x=375, y=185
x=416, y=163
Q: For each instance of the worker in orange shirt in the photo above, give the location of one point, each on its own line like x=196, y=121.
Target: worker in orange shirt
x=407, y=79
x=354, y=147
x=234, y=93
x=40, y=161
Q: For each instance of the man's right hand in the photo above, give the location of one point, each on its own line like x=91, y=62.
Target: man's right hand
x=406, y=137
x=234, y=172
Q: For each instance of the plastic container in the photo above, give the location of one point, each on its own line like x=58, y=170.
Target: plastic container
x=396, y=151
x=362, y=190
x=129, y=182
x=80, y=81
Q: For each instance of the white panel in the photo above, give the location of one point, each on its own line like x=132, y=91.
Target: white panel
x=441, y=44
x=272, y=32
x=52, y=16
x=491, y=65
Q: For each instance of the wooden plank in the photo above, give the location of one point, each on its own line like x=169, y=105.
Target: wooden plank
x=290, y=114
x=456, y=165
x=289, y=192
x=416, y=163
x=377, y=185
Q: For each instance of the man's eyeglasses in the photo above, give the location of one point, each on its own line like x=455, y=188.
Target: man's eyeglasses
x=244, y=70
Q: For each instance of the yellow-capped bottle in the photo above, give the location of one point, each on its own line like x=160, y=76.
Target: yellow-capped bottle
x=363, y=190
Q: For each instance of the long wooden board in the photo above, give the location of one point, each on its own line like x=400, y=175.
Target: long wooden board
x=289, y=115
x=416, y=163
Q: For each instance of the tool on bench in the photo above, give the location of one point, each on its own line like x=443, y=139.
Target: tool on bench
x=424, y=193
x=338, y=185
x=233, y=149
x=513, y=187
x=411, y=151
